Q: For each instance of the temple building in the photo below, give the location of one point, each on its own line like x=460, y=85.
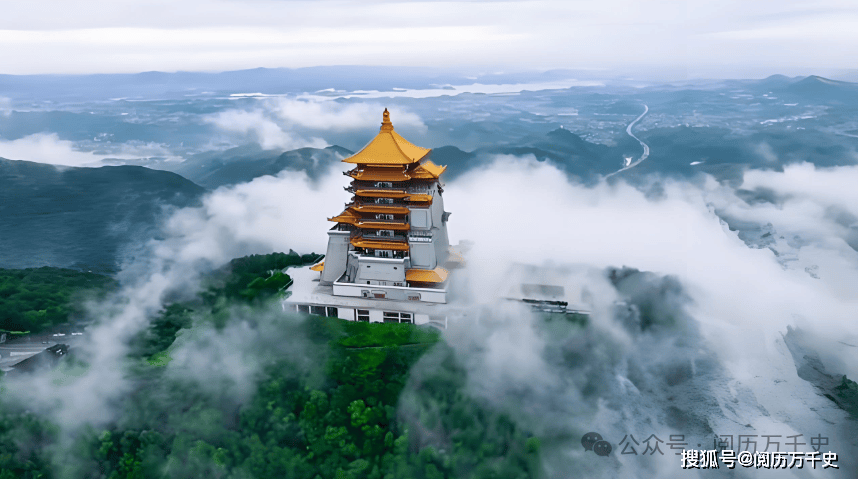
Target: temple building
x=389, y=256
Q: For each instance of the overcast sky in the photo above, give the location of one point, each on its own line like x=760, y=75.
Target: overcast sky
x=727, y=38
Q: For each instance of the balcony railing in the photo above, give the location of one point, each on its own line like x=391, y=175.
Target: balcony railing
x=419, y=239
x=394, y=255
x=381, y=222
x=373, y=191
x=358, y=185
x=371, y=185
x=374, y=236
x=396, y=204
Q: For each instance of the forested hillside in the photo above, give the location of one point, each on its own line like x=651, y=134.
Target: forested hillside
x=330, y=398
x=36, y=299
x=82, y=218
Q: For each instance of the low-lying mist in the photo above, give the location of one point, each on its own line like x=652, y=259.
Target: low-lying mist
x=701, y=344
x=699, y=294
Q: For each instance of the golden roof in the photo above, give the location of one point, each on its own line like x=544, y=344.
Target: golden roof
x=379, y=174
x=432, y=168
x=348, y=216
x=427, y=171
x=420, y=197
x=318, y=266
x=352, y=217
x=437, y=275
x=360, y=242
x=382, y=193
x=374, y=224
x=388, y=148
x=371, y=208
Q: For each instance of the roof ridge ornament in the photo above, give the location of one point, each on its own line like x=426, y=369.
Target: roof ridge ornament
x=386, y=125
x=388, y=148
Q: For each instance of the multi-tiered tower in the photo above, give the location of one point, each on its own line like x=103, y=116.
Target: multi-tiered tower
x=393, y=233
x=390, y=242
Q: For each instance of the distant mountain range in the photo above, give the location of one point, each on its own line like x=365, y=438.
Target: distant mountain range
x=90, y=218
x=242, y=164
x=322, y=79
x=563, y=148
x=266, y=80
x=82, y=218
x=821, y=88
x=679, y=150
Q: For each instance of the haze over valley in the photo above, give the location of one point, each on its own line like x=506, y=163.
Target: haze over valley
x=712, y=223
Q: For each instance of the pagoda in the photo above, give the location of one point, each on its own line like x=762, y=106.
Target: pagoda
x=388, y=251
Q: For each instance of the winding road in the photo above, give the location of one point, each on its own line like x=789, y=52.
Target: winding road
x=644, y=145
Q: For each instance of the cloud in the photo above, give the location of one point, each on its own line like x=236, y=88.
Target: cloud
x=329, y=115
x=49, y=148
x=46, y=148
x=766, y=152
x=725, y=305
x=226, y=362
x=261, y=128
x=715, y=362
x=535, y=214
x=826, y=187
x=99, y=36
x=266, y=215
x=731, y=306
x=5, y=106
x=284, y=123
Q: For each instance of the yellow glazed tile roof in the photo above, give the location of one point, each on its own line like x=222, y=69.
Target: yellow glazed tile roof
x=437, y=275
x=380, y=193
x=420, y=197
x=352, y=217
x=388, y=148
x=380, y=174
x=347, y=216
x=433, y=168
x=370, y=208
x=318, y=266
x=374, y=224
x=360, y=242
x=428, y=170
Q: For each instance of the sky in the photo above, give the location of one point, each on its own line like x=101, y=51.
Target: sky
x=673, y=38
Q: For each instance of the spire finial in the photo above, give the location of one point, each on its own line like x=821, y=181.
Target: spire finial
x=386, y=125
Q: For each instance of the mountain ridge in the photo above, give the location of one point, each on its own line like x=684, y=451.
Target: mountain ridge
x=83, y=218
